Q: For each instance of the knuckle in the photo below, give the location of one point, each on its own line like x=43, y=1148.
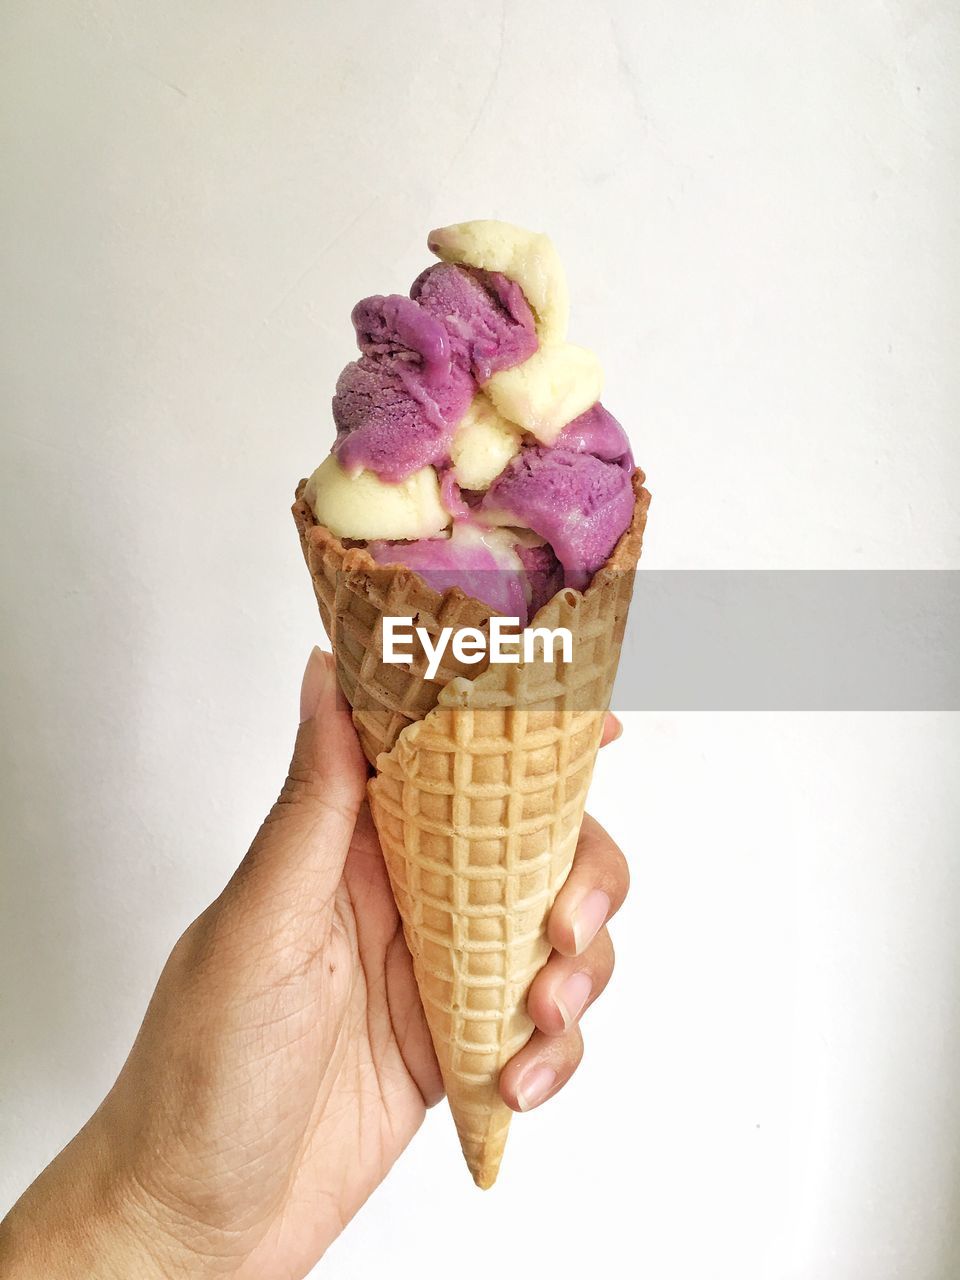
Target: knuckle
x=613, y=866
x=569, y=1051
x=603, y=965
x=310, y=790
x=623, y=870
x=302, y=781
x=194, y=950
x=612, y=873
x=607, y=956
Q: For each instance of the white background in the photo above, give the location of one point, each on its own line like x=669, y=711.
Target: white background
x=756, y=203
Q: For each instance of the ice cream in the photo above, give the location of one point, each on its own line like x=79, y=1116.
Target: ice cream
x=526, y=257
x=598, y=432
x=483, y=563
x=361, y=505
x=471, y=442
x=576, y=502
x=489, y=323
x=396, y=407
x=550, y=390
x=482, y=445
x=544, y=573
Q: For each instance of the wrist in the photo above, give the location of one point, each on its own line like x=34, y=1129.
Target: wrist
x=82, y=1217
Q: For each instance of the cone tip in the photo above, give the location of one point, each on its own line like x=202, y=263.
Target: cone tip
x=484, y=1172
x=483, y=1151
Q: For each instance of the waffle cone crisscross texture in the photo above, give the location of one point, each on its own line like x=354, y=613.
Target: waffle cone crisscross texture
x=482, y=776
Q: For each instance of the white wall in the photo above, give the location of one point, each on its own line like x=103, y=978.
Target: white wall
x=756, y=204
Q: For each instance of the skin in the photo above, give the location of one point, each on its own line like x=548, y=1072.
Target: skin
x=284, y=1062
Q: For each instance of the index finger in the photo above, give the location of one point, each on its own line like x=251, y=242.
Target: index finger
x=593, y=891
x=612, y=729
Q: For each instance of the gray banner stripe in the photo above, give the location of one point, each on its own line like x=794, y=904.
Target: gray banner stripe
x=792, y=641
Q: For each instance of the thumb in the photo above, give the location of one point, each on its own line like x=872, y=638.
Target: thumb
x=298, y=854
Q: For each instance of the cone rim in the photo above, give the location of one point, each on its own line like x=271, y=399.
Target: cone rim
x=624, y=556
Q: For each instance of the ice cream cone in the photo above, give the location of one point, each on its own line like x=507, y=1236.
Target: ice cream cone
x=482, y=775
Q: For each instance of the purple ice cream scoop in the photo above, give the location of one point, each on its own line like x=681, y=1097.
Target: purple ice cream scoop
x=598, y=432
x=578, y=503
x=391, y=420
x=473, y=567
x=397, y=406
x=395, y=327
x=489, y=321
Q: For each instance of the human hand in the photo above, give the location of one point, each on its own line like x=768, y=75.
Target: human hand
x=284, y=1061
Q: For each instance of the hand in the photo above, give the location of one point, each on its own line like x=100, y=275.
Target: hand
x=284, y=1061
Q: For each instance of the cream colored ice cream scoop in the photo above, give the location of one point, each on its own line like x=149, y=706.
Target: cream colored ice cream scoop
x=482, y=445
x=556, y=385
x=364, y=506
x=527, y=257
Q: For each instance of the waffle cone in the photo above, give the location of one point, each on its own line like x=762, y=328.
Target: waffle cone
x=481, y=780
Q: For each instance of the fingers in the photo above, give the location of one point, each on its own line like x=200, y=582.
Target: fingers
x=612, y=729
x=574, y=976
x=540, y=1069
x=567, y=985
x=593, y=891
x=561, y=992
x=303, y=843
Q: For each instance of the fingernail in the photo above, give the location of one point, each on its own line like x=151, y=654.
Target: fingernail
x=617, y=728
x=534, y=1086
x=571, y=997
x=589, y=918
x=316, y=682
